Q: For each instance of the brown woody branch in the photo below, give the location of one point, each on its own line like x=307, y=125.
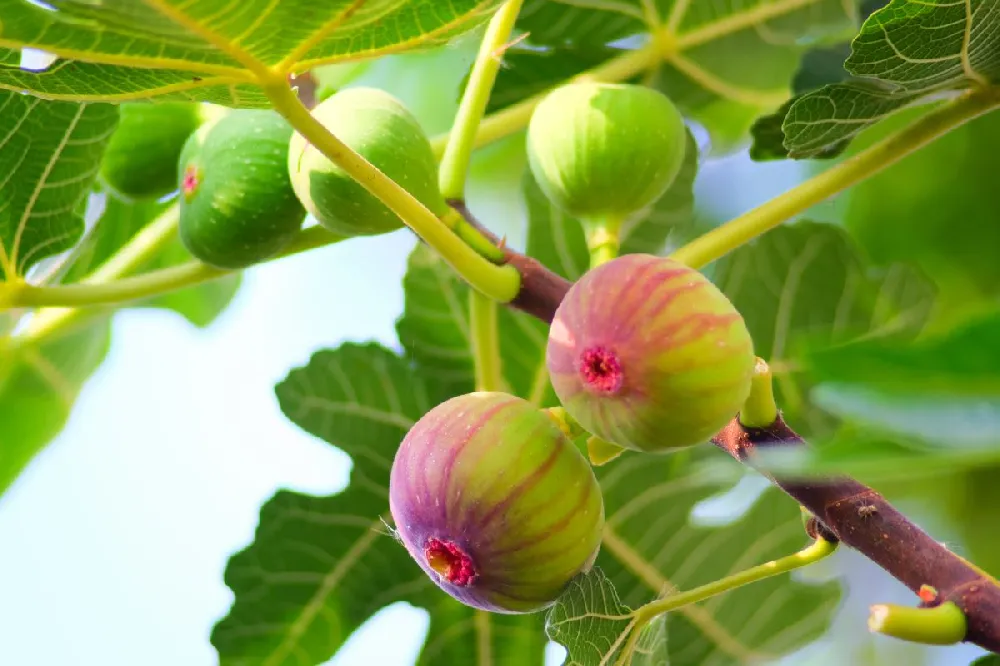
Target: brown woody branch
x=852, y=512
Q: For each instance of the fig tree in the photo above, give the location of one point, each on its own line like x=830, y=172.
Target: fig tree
x=140, y=161
x=495, y=503
x=647, y=353
x=377, y=126
x=237, y=204
x=604, y=151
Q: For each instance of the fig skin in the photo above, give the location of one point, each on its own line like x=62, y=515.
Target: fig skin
x=488, y=491
x=378, y=127
x=237, y=206
x=647, y=353
x=603, y=151
x=140, y=159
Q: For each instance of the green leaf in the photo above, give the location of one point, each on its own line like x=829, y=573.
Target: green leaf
x=49, y=156
x=943, y=222
x=118, y=224
x=434, y=331
x=120, y=50
x=988, y=660
x=652, y=547
x=320, y=566
x=590, y=621
x=906, y=52
x=38, y=386
x=557, y=240
x=943, y=390
x=725, y=63
x=805, y=285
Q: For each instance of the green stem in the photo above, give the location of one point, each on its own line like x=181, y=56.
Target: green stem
x=514, y=118
x=760, y=409
x=815, y=552
x=864, y=164
x=940, y=625
x=501, y=283
x=602, y=240
x=485, y=342
x=458, y=151
x=110, y=291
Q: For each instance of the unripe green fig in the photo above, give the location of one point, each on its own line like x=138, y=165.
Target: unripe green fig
x=140, y=161
x=495, y=503
x=647, y=353
x=604, y=151
x=377, y=126
x=237, y=205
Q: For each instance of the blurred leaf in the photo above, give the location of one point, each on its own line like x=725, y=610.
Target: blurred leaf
x=320, y=566
x=732, y=61
x=49, y=156
x=988, y=660
x=907, y=52
x=652, y=547
x=804, y=285
x=943, y=390
x=119, y=223
x=941, y=220
x=38, y=386
x=590, y=621
x=434, y=331
x=557, y=240
x=970, y=499
x=206, y=50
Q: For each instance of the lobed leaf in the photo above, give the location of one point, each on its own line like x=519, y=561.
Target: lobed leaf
x=49, y=156
x=211, y=50
x=906, y=53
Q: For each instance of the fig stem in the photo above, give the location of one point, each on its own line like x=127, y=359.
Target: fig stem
x=814, y=552
x=458, y=150
x=485, y=342
x=602, y=239
x=501, y=283
x=738, y=231
x=760, y=410
x=939, y=625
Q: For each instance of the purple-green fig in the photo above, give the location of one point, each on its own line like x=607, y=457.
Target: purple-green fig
x=604, y=151
x=647, y=353
x=495, y=503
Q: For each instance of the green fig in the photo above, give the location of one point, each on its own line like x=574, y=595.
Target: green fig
x=603, y=151
x=140, y=161
x=237, y=204
x=377, y=126
x=495, y=503
x=648, y=354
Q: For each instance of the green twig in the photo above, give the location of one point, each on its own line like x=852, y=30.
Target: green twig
x=458, y=151
x=501, y=283
x=940, y=625
x=888, y=151
x=760, y=409
x=603, y=240
x=485, y=342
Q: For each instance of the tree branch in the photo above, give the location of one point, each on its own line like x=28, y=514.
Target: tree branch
x=842, y=505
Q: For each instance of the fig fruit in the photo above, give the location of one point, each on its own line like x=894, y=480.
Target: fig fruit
x=603, y=151
x=140, y=161
x=377, y=126
x=495, y=503
x=237, y=205
x=647, y=353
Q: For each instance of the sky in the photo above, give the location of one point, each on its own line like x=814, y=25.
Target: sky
x=115, y=539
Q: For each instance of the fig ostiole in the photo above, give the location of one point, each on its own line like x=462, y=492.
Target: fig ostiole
x=378, y=127
x=141, y=156
x=495, y=503
x=237, y=206
x=603, y=151
x=648, y=354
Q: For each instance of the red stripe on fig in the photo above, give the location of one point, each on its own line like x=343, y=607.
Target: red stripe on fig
x=649, y=354
x=495, y=503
